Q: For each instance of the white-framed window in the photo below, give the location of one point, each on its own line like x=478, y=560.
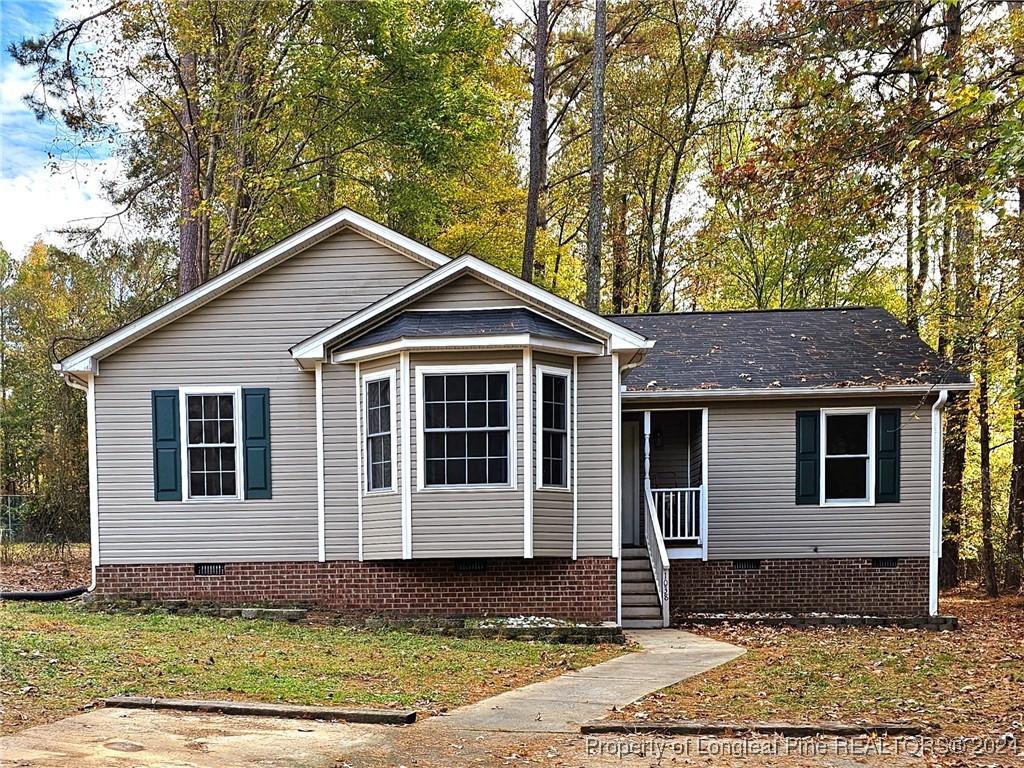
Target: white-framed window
x=381, y=434
x=553, y=427
x=211, y=422
x=466, y=426
x=847, y=456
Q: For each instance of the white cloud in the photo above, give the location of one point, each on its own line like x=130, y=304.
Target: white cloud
x=37, y=202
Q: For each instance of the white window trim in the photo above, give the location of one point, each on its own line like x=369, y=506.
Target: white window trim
x=391, y=375
x=822, y=453
x=513, y=466
x=565, y=373
x=236, y=392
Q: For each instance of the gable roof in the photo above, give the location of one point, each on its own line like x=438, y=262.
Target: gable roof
x=84, y=360
x=619, y=337
x=412, y=324
x=851, y=348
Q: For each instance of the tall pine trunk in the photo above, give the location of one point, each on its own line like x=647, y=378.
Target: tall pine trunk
x=191, y=273
x=595, y=216
x=1015, y=513
x=538, y=142
x=988, y=557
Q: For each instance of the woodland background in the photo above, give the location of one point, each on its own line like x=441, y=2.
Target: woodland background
x=799, y=154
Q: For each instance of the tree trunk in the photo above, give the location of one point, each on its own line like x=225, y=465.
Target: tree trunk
x=595, y=218
x=190, y=261
x=1015, y=513
x=988, y=557
x=955, y=447
x=538, y=141
x=619, y=254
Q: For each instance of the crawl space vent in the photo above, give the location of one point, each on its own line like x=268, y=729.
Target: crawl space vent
x=885, y=562
x=470, y=566
x=209, y=569
x=746, y=565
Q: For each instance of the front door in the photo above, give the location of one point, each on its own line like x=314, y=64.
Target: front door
x=630, y=487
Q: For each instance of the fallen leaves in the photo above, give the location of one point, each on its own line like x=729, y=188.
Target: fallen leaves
x=967, y=681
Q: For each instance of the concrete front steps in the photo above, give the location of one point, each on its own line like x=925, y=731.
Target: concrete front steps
x=640, y=606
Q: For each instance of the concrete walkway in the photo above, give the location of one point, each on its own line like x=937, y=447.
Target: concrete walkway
x=560, y=705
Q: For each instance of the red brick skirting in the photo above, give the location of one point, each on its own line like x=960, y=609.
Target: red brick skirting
x=826, y=585
x=580, y=590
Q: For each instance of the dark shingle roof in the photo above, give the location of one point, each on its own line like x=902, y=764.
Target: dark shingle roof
x=818, y=348
x=480, y=322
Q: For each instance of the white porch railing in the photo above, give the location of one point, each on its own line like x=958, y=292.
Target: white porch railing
x=658, y=553
x=679, y=512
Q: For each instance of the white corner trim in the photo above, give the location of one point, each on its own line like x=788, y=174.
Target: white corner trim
x=406, y=459
x=82, y=360
x=869, y=412
x=212, y=389
x=565, y=373
x=513, y=395
x=935, y=532
x=575, y=458
x=359, y=458
x=620, y=337
x=616, y=464
x=321, y=495
x=94, y=491
x=390, y=374
x=704, y=476
x=528, y=462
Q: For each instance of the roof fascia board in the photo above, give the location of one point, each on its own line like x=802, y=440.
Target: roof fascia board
x=313, y=348
x=442, y=343
x=790, y=392
x=304, y=238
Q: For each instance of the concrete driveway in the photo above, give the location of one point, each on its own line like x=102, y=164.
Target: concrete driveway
x=119, y=738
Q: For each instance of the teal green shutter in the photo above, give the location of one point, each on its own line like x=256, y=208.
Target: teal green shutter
x=887, y=456
x=808, y=477
x=256, y=423
x=166, y=446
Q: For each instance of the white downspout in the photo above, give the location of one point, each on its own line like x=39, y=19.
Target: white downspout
x=94, y=491
x=935, y=544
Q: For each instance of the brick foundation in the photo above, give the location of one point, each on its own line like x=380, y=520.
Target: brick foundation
x=833, y=585
x=580, y=590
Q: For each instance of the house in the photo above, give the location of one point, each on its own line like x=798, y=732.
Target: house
x=355, y=421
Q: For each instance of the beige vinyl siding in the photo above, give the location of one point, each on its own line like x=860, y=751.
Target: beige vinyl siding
x=382, y=510
x=467, y=522
x=751, y=502
x=239, y=339
x=552, y=508
x=467, y=292
x=595, y=505
x=340, y=463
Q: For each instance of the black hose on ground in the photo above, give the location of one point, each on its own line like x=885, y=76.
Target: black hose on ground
x=62, y=594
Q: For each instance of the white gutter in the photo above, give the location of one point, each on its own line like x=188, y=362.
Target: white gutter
x=776, y=392
x=935, y=544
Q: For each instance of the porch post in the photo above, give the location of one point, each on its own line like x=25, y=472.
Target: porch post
x=647, y=451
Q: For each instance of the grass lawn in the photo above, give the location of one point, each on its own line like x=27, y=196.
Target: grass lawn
x=969, y=682
x=56, y=659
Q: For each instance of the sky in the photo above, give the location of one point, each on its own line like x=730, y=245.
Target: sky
x=38, y=194
x=37, y=199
